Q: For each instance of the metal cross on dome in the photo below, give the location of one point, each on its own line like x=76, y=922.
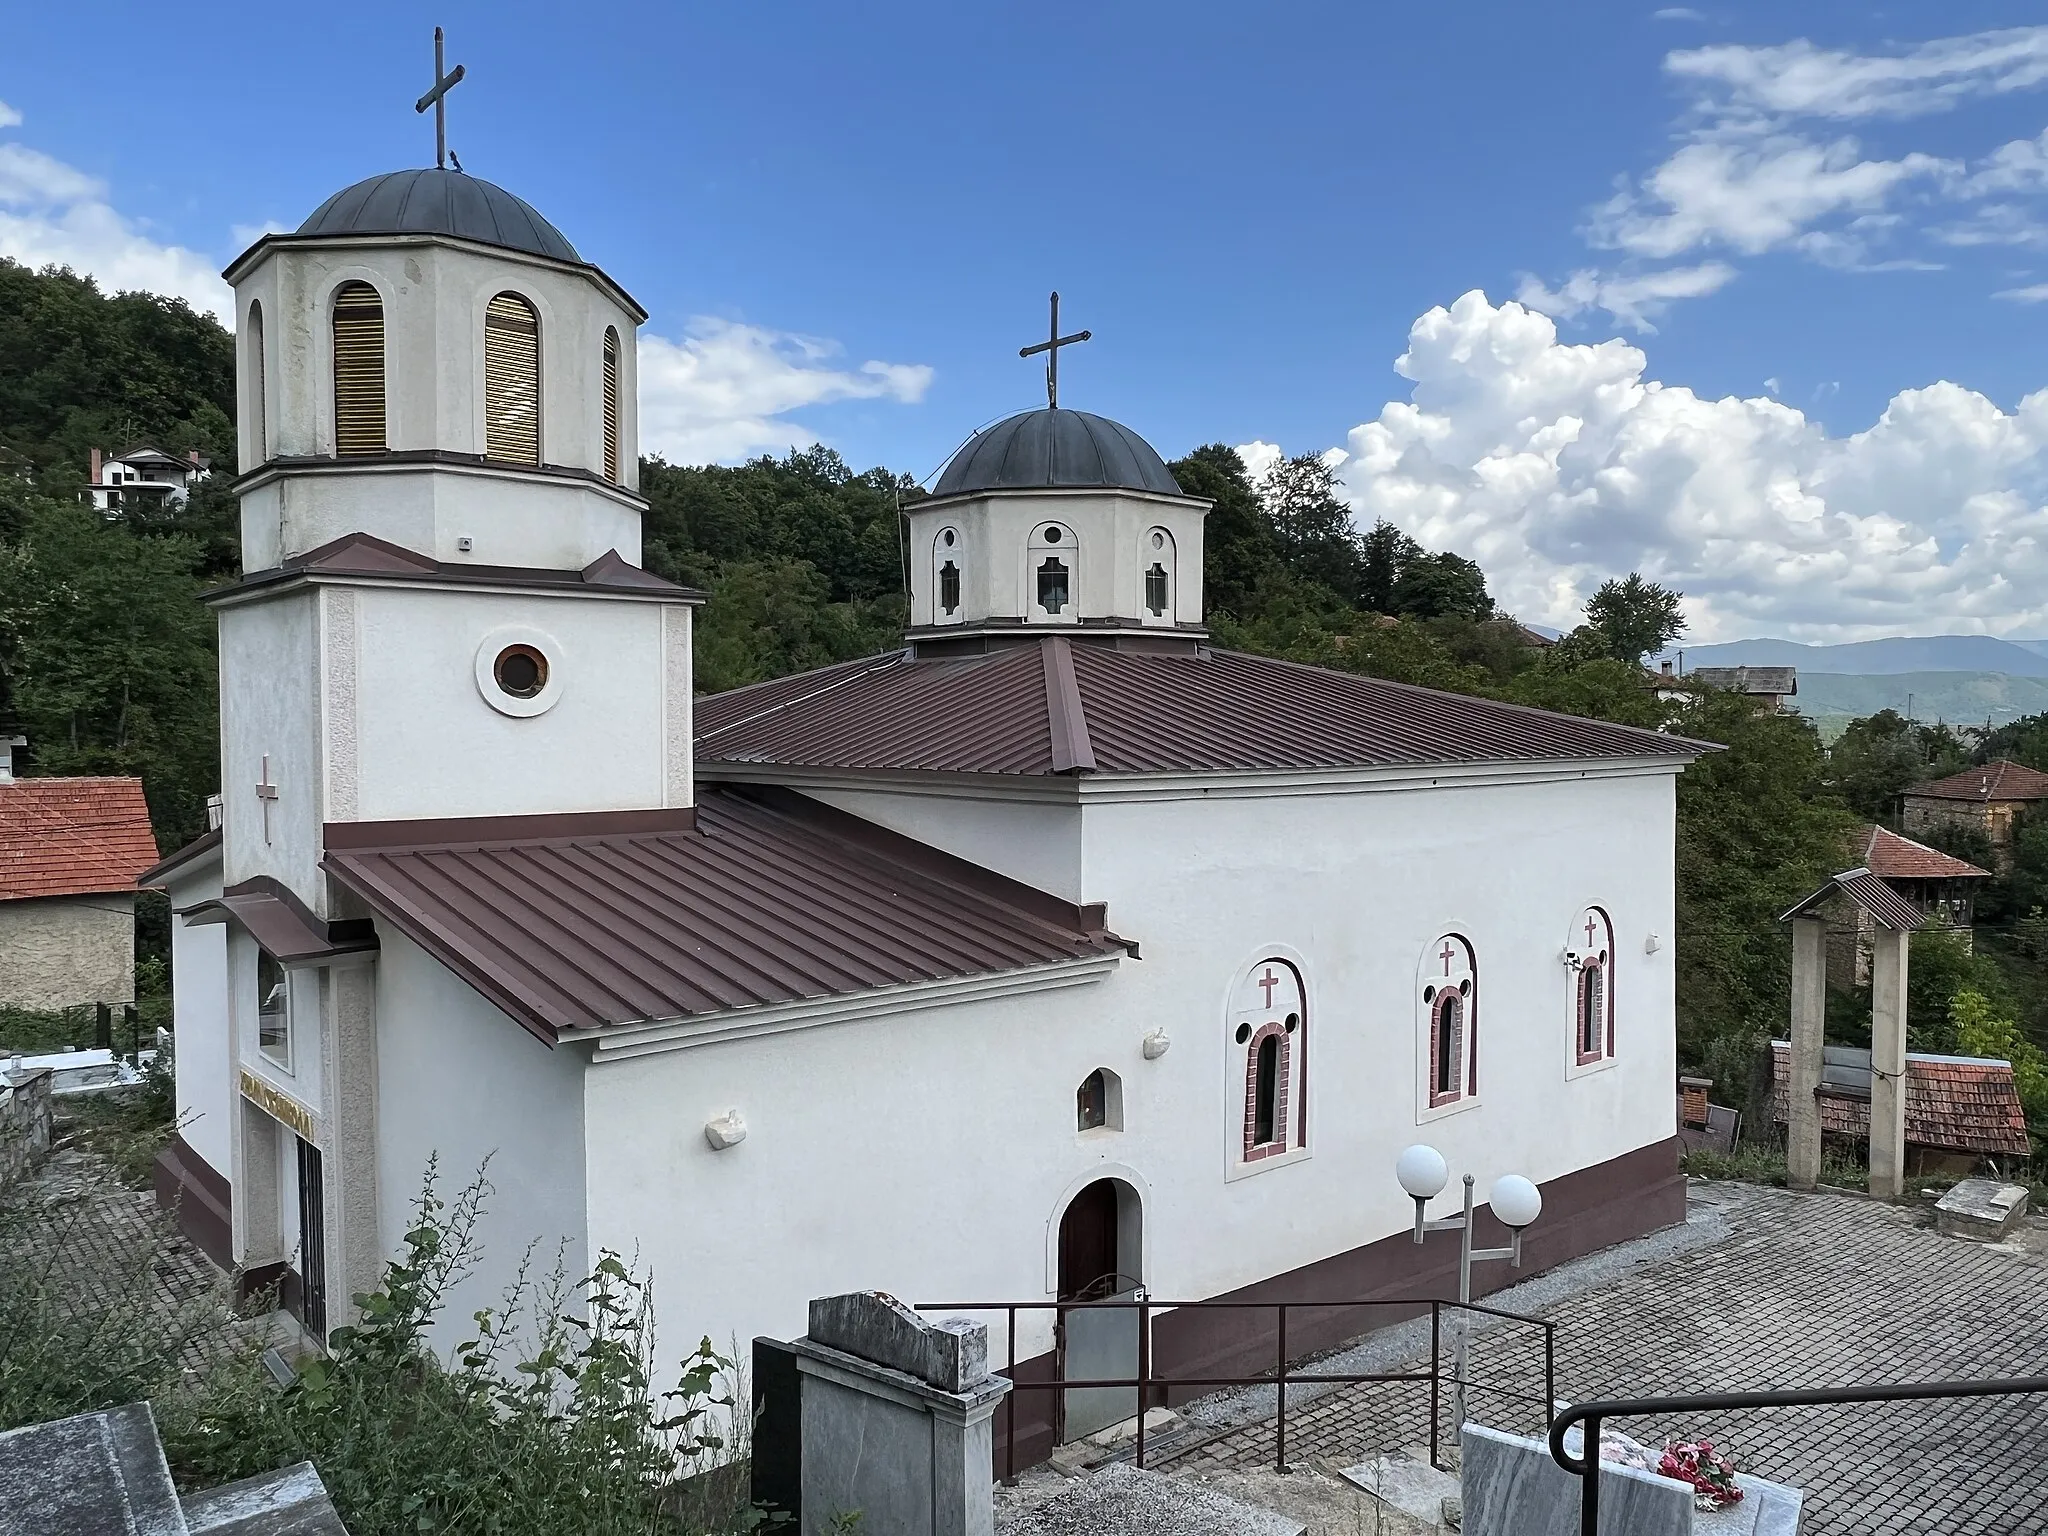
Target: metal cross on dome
x=1051, y=348
x=437, y=99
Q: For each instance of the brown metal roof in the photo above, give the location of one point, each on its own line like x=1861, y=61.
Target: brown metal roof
x=1892, y=857
x=1999, y=779
x=1054, y=706
x=1863, y=888
x=364, y=555
x=269, y=913
x=577, y=922
x=1962, y=1103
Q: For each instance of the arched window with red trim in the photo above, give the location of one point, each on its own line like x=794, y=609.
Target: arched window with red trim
x=1448, y=1000
x=1269, y=1042
x=1591, y=954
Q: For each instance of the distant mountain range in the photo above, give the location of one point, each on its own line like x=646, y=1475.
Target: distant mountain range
x=1878, y=658
x=1960, y=698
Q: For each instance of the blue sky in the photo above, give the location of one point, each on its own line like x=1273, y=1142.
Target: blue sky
x=844, y=220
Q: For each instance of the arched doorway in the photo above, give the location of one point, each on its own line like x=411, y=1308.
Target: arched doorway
x=1100, y=1260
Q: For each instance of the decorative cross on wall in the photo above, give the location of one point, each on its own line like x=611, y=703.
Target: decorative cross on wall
x=1051, y=348
x=267, y=793
x=1269, y=981
x=437, y=99
x=1447, y=956
x=1592, y=927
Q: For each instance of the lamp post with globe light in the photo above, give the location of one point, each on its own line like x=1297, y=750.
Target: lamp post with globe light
x=1516, y=1204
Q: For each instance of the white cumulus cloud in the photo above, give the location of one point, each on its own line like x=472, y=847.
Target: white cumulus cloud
x=1634, y=299
x=1557, y=466
x=10, y=117
x=724, y=390
x=52, y=214
x=1797, y=79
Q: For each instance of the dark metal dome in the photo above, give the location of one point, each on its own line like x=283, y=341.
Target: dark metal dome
x=1034, y=450
x=438, y=203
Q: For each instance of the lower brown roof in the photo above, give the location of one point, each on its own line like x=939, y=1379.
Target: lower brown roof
x=763, y=897
x=1899, y=913
x=1892, y=857
x=1961, y=1103
x=1052, y=706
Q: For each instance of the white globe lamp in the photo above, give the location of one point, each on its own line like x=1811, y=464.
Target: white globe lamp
x=1515, y=1201
x=1422, y=1171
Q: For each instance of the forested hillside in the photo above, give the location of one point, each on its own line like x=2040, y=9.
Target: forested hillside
x=107, y=664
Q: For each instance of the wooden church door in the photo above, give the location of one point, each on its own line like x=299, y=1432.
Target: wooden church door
x=1096, y=1341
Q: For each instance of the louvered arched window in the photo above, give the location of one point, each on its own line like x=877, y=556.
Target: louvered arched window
x=612, y=470
x=512, y=381
x=358, y=370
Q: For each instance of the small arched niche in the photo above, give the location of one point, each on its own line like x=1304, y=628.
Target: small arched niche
x=252, y=354
x=1161, y=587
x=949, y=560
x=1099, y=1102
x=1052, y=574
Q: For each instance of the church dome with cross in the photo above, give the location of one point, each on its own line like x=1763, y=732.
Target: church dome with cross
x=1052, y=447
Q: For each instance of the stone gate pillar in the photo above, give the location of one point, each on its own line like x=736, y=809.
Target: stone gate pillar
x=1809, y=1031
x=1888, y=958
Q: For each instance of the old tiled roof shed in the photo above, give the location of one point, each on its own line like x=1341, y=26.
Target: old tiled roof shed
x=1892, y=857
x=1999, y=779
x=72, y=837
x=1953, y=1103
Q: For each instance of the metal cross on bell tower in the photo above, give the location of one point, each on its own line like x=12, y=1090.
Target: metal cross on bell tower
x=437, y=99
x=1051, y=348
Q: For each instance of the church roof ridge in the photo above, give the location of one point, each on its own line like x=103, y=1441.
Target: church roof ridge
x=1061, y=706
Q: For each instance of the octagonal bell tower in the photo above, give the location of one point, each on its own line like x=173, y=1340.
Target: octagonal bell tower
x=427, y=360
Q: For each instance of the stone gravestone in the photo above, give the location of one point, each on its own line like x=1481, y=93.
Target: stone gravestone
x=99, y=1473
x=1983, y=1209
x=1512, y=1486
x=895, y=1419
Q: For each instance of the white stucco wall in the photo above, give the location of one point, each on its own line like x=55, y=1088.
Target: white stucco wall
x=270, y=703
x=457, y=1078
x=1108, y=552
x=426, y=742
x=931, y=1153
x=1037, y=841
x=199, y=1007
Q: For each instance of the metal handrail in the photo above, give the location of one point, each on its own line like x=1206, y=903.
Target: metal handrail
x=1591, y=1414
x=1280, y=1377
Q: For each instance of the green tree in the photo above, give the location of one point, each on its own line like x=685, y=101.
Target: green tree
x=1880, y=756
x=1312, y=525
x=1980, y=1030
x=107, y=659
x=1635, y=617
x=1757, y=830
x=1240, y=555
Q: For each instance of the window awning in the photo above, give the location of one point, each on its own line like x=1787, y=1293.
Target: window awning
x=270, y=914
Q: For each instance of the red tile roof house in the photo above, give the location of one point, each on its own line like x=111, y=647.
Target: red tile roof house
x=1960, y=1110
x=70, y=850
x=1943, y=887
x=1990, y=797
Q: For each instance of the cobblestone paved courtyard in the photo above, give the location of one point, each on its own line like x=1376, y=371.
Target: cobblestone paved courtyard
x=1805, y=1290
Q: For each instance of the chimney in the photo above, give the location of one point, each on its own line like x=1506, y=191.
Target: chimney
x=7, y=746
x=94, y=477
x=215, y=814
x=1667, y=668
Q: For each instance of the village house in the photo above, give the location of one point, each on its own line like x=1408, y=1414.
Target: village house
x=141, y=476
x=70, y=851
x=1055, y=953
x=1987, y=799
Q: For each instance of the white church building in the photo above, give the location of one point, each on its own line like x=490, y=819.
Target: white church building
x=1055, y=954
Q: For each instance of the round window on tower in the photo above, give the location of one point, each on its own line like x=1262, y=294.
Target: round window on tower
x=1053, y=533
x=519, y=670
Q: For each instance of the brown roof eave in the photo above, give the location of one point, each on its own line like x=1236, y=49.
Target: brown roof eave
x=200, y=847
x=274, y=917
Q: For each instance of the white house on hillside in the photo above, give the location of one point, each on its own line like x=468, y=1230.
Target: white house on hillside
x=142, y=475
x=1054, y=954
